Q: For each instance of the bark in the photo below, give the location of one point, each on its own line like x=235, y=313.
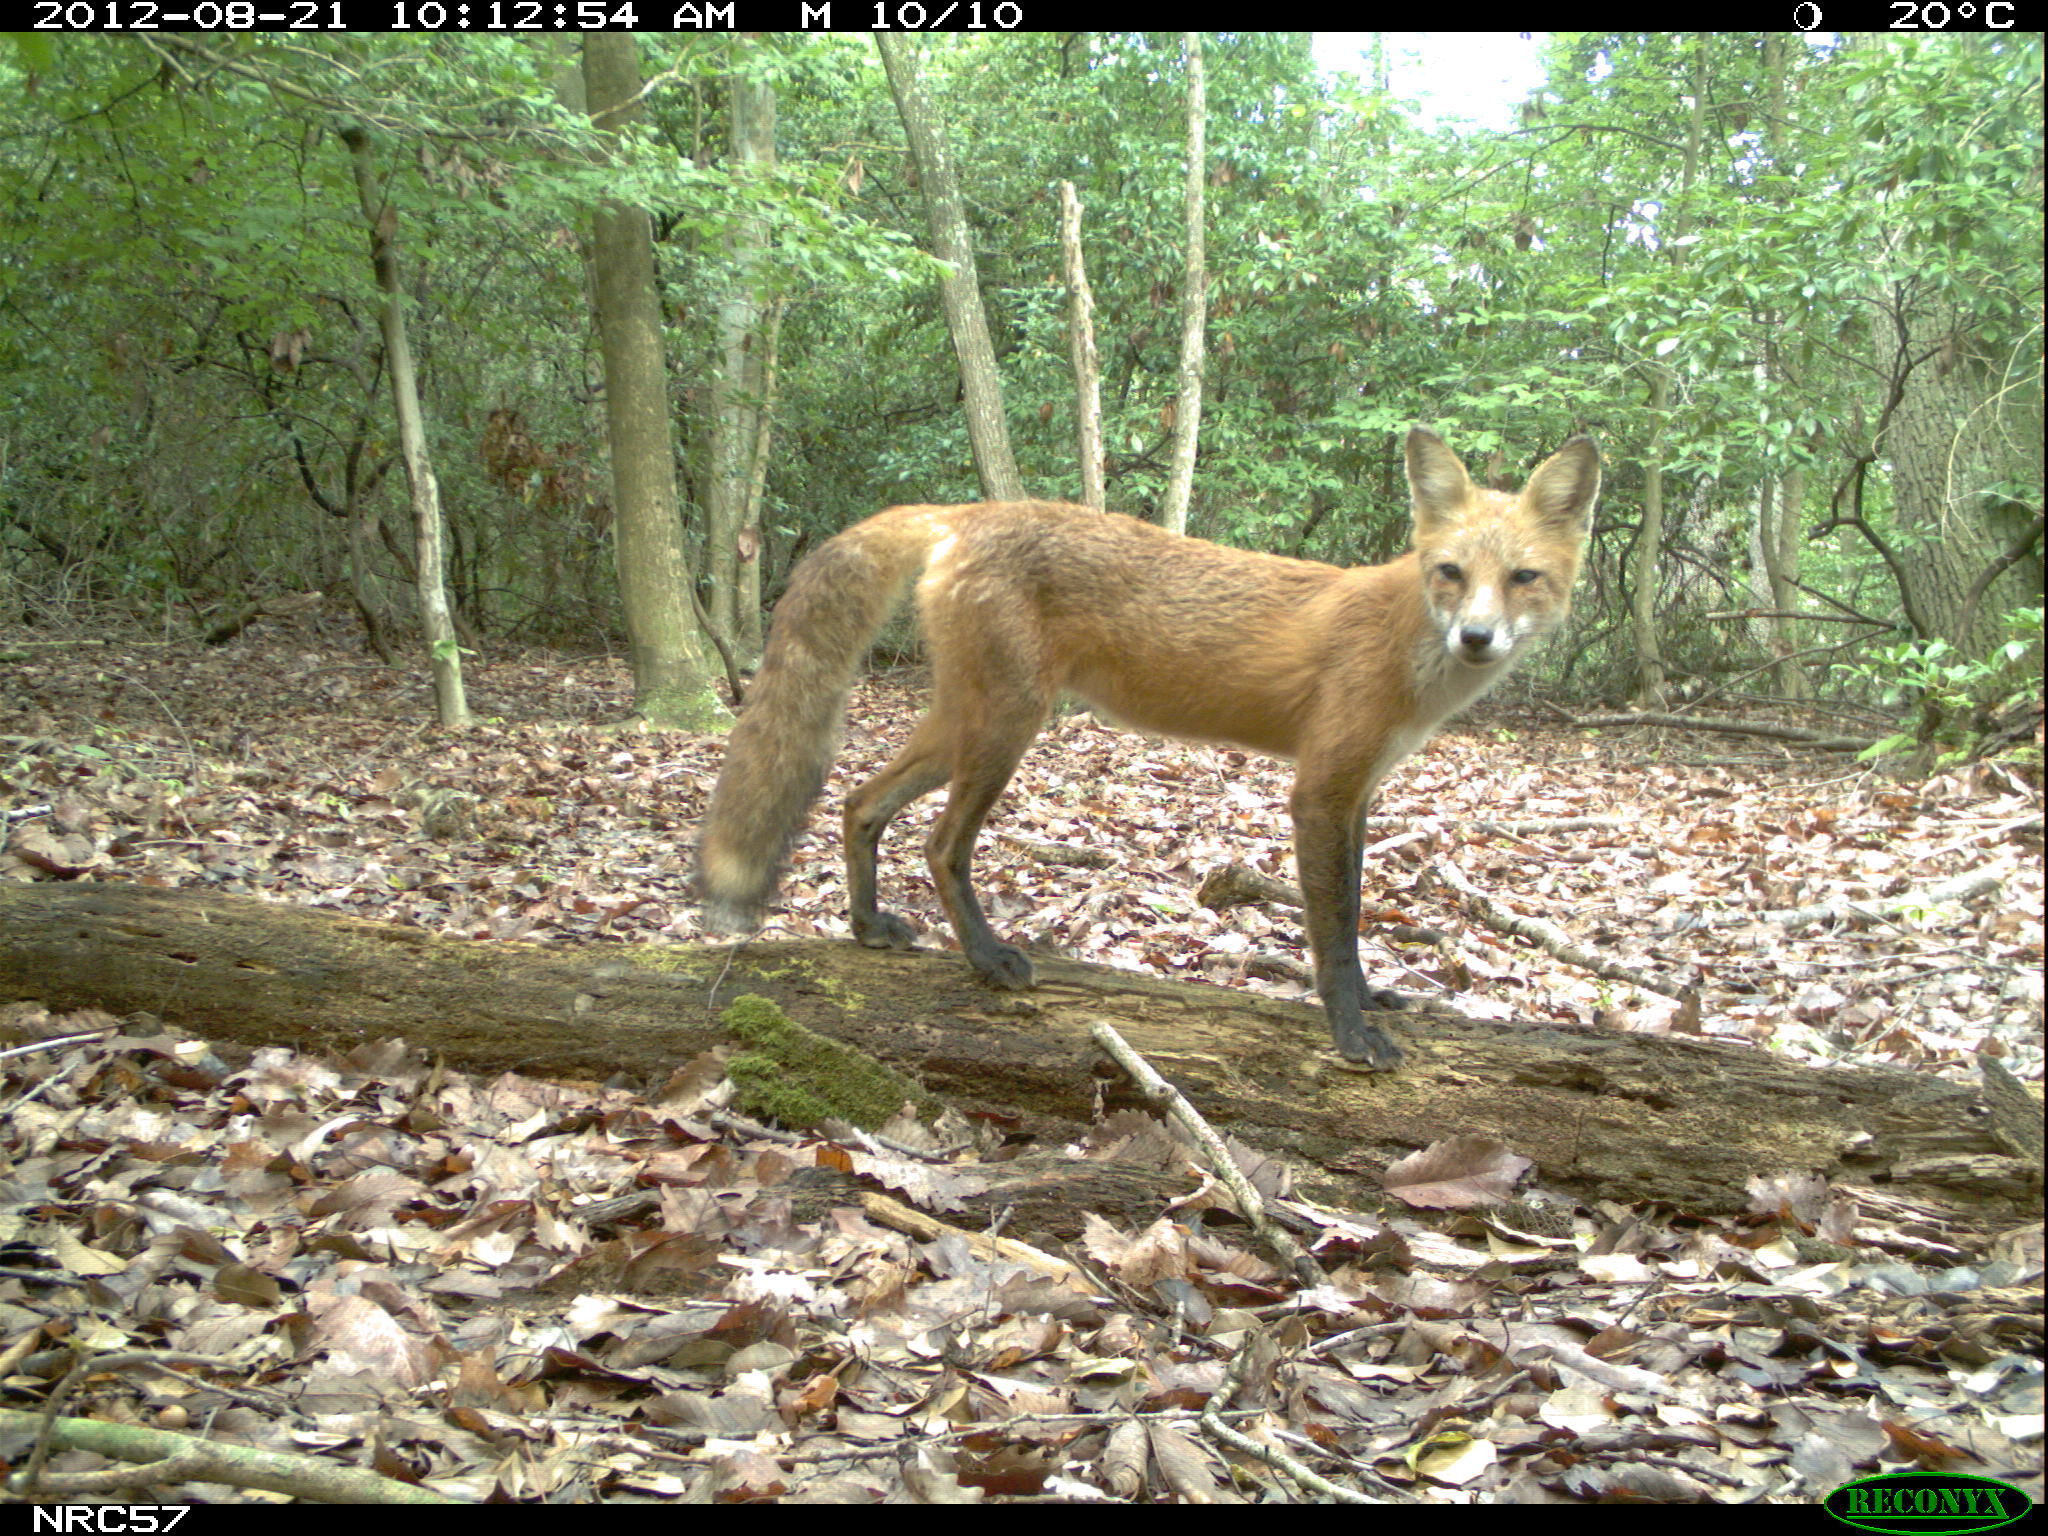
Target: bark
x=1782, y=542
x=738, y=381
x=1778, y=528
x=1949, y=447
x=1194, y=300
x=988, y=435
x=753, y=540
x=672, y=684
x=362, y=585
x=1605, y=1115
x=1081, y=342
x=437, y=621
x=1646, y=562
x=1647, y=568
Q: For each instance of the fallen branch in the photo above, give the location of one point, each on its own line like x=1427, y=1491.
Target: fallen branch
x=1158, y=1091
x=984, y=1245
x=1746, y=615
x=281, y=605
x=1521, y=824
x=204, y=1461
x=1555, y=824
x=1773, y=729
x=1550, y=938
x=1058, y=853
x=1237, y=885
x=1716, y=1113
x=1962, y=888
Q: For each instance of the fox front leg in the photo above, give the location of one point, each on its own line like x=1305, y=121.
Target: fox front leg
x=1329, y=844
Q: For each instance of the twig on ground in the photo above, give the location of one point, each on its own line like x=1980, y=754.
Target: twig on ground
x=1214, y=1427
x=1157, y=1090
x=203, y=1461
x=1772, y=729
x=894, y=1213
x=1872, y=909
x=1551, y=939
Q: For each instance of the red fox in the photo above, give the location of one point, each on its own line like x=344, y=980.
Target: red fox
x=1343, y=671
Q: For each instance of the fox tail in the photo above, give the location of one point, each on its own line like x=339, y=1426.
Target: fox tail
x=780, y=750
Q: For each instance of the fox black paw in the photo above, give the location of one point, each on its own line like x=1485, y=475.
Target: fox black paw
x=884, y=930
x=1002, y=966
x=1367, y=1045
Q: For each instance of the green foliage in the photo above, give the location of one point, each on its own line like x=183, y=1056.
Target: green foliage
x=1956, y=698
x=196, y=389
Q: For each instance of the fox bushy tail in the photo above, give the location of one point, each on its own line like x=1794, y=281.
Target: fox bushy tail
x=780, y=750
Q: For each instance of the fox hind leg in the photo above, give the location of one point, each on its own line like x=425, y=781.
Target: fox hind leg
x=978, y=780
x=972, y=739
x=924, y=763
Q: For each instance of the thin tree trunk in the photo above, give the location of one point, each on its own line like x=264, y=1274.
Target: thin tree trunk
x=672, y=684
x=1781, y=565
x=436, y=620
x=753, y=541
x=1778, y=529
x=1194, y=302
x=362, y=582
x=1646, y=566
x=1647, y=573
x=737, y=371
x=1081, y=343
x=988, y=435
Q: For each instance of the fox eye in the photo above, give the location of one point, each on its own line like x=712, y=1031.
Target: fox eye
x=1525, y=577
x=1450, y=572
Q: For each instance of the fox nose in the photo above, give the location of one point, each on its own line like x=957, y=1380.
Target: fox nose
x=1475, y=638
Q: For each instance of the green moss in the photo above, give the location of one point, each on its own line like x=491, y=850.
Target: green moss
x=799, y=1078
x=697, y=709
x=847, y=1000
x=669, y=958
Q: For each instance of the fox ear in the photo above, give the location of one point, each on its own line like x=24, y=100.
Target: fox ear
x=1562, y=491
x=1437, y=481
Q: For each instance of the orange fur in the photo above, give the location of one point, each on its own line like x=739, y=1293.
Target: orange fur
x=1343, y=671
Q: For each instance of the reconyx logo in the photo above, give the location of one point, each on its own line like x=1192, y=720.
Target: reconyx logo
x=1916, y=1502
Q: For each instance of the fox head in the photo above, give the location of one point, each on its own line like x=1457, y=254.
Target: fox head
x=1497, y=569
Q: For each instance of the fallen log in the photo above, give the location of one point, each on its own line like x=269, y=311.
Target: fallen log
x=1625, y=1117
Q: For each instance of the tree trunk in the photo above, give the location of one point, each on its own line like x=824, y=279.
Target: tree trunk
x=1194, y=302
x=988, y=435
x=1948, y=455
x=436, y=621
x=1781, y=545
x=1605, y=1115
x=672, y=684
x=1778, y=532
x=1646, y=565
x=738, y=368
x=1081, y=343
x=362, y=581
x=1647, y=573
x=753, y=538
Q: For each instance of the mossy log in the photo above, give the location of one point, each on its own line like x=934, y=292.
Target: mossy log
x=1603, y=1114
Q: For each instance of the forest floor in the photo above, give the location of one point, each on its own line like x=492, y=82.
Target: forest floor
x=280, y=765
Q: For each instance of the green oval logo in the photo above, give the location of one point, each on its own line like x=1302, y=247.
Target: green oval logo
x=1910, y=1503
